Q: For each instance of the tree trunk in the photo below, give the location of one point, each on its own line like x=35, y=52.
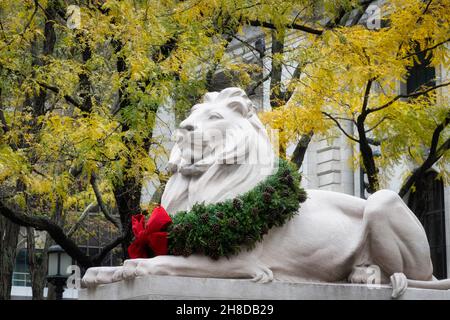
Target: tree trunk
x=300, y=150
x=9, y=233
x=37, y=262
x=276, y=93
x=51, y=295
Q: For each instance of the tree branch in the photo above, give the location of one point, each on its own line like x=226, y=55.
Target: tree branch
x=366, y=96
x=377, y=124
x=294, y=26
x=98, y=258
x=83, y=216
x=53, y=229
x=433, y=156
x=364, y=142
x=252, y=90
x=289, y=92
x=100, y=202
x=443, y=148
x=339, y=126
x=276, y=95
x=426, y=49
x=300, y=149
x=56, y=90
x=436, y=135
x=411, y=95
x=4, y=124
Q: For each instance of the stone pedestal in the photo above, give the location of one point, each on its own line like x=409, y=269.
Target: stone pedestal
x=169, y=287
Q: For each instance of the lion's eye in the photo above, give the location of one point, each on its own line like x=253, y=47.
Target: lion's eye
x=215, y=116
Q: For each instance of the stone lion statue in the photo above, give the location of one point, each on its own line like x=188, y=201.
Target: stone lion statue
x=334, y=238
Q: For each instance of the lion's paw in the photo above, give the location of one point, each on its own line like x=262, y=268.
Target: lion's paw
x=118, y=275
x=263, y=275
x=89, y=279
x=100, y=275
x=139, y=267
x=399, y=284
x=359, y=274
x=129, y=269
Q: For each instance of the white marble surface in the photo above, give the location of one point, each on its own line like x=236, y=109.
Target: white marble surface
x=153, y=287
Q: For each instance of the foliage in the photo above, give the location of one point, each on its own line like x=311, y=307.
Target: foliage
x=351, y=78
x=78, y=104
x=224, y=228
x=78, y=107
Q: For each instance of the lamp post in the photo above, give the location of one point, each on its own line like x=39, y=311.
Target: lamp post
x=58, y=262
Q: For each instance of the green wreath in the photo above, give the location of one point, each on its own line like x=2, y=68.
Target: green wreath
x=225, y=228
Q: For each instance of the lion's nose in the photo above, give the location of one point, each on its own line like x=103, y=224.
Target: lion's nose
x=187, y=126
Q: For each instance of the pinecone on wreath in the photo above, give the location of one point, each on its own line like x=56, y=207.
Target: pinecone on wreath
x=267, y=197
x=237, y=203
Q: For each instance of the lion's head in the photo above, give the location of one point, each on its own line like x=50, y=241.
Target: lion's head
x=221, y=150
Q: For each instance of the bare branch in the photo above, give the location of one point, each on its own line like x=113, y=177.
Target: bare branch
x=54, y=89
x=339, y=126
x=427, y=7
x=377, y=124
x=252, y=90
x=443, y=148
x=66, y=97
x=426, y=49
x=100, y=202
x=294, y=26
x=434, y=155
x=83, y=216
x=366, y=96
x=300, y=149
x=411, y=95
x=436, y=135
x=53, y=229
x=248, y=45
x=98, y=258
x=4, y=124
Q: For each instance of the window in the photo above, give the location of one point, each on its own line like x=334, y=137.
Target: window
x=421, y=74
x=21, y=274
x=428, y=204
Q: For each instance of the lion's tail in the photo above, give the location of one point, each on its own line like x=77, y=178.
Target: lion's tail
x=433, y=284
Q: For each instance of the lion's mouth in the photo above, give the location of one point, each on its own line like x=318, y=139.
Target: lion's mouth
x=193, y=146
x=186, y=138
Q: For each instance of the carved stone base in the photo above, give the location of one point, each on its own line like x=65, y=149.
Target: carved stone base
x=169, y=287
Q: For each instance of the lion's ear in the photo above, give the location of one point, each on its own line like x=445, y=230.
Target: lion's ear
x=243, y=106
x=210, y=96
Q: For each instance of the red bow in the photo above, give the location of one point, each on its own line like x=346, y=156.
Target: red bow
x=150, y=234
